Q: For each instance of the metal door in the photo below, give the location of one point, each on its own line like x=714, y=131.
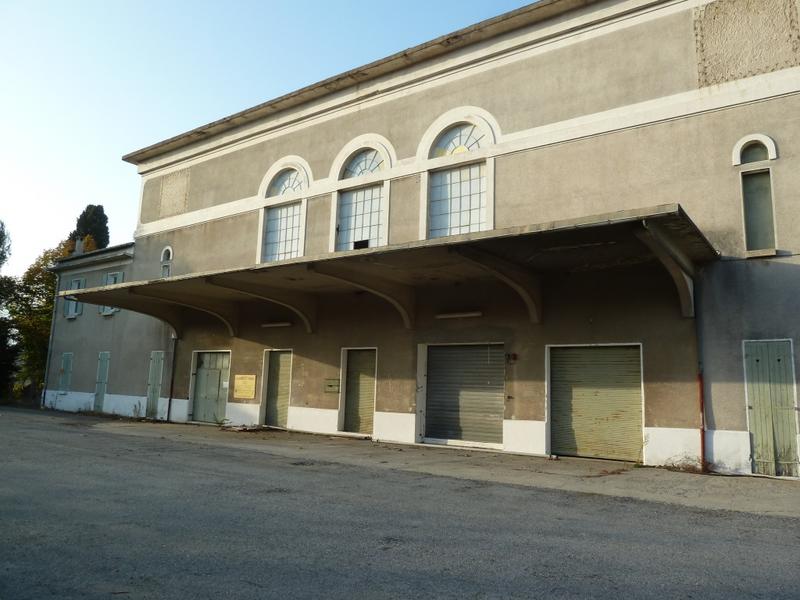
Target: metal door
x=211, y=387
x=359, y=403
x=465, y=396
x=154, y=380
x=769, y=375
x=278, y=382
x=101, y=384
x=596, y=402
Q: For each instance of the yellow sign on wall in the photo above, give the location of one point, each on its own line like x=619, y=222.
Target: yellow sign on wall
x=244, y=387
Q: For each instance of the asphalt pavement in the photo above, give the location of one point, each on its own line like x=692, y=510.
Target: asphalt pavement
x=95, y=508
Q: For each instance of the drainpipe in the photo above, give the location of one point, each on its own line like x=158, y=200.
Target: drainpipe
x=698, y=323
x=50, y=343
x=172, y=377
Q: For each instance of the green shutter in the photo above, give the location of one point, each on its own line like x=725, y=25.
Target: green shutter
x=65, y=375
x=596, y=402
x=154, y=380
x=79, y=305
x=210, y=387
x=359, y=405
x=278, y=387
x=465, y=397
x=771, y=407
x=759, y=224
x=101, y=384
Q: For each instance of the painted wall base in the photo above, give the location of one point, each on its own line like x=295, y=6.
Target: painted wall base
x=69, y=401
x=395, y=427
x=179, y=412
x=238, y=413
x=728, y=451
x=672, y=447
x=525, y=437
x=313, y=420
x=125, y=406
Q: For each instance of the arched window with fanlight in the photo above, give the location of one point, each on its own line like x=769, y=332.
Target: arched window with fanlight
x=282, y=234
x=752, y=155
x=457, y=197
x=361, y=211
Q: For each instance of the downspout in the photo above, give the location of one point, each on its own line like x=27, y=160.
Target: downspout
x=50, y=343
x=698, y=322
x=172, y=377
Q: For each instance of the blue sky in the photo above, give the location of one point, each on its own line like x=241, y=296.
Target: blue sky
x=84, y=82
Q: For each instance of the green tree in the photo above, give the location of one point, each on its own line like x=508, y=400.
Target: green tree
x=92, y=222
x=8, y=346
x=31, y=311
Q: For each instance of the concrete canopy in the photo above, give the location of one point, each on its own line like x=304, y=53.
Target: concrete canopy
x=519, y=257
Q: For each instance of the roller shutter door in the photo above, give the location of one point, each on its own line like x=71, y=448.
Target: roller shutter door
x=359, y=405
x=465, y=393
x=278, y=387
x=596, y=402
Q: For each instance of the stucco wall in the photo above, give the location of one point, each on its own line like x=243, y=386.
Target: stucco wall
x=687, y=161
x=404, y=210
x=219, y=244
x=743, y=300
x=742, y=38
x=128, y=336
x=585, y=77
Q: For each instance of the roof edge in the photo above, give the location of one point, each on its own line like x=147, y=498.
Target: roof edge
x=538, y=11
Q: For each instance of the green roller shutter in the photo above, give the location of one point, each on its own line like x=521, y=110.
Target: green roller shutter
x=771, y=407
x=359, y=404
x=465, y=393
x=596, y=402
x=278, y=387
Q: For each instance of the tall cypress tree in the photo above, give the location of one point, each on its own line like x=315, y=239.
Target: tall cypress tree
x=92, y=221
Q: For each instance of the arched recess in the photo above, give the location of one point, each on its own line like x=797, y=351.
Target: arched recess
x=124, y=299
x=368, y=140
x=479, y=117
x=768, y=142
x=287, y=162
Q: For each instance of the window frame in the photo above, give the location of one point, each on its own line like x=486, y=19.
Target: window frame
x=262, y=223
x=107, y=311
x=490, y=131
x=289, y=197
x=752, y=168
x=383, y=147
x=452, y=162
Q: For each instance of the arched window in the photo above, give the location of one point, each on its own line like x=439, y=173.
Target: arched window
x=288, y=180
x=464, y=137
x=282, y=223
x=363, y=162
x=751, y=154
x=457, y=196
x=166, y=261
x=361, y=212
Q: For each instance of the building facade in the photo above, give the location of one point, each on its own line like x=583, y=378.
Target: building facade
x=571, y=229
